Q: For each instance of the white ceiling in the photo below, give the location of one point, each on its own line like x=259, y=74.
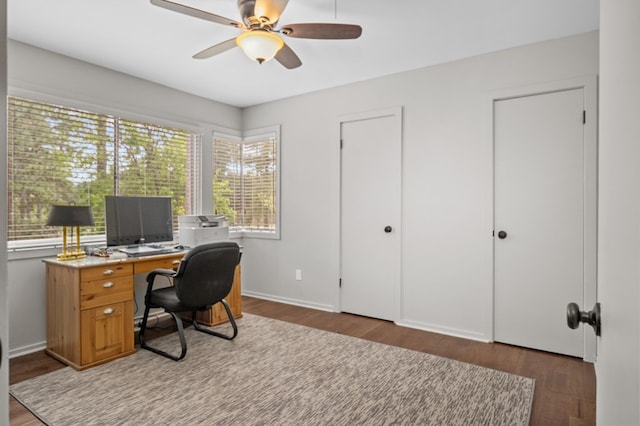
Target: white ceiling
x=137, y=38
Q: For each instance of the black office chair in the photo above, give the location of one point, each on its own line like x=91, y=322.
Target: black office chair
x=204, y=278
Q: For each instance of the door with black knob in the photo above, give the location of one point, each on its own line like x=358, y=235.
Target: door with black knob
x=370, y=214
x=541, y=230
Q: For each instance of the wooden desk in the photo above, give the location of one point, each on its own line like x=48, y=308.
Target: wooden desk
x=90, y=306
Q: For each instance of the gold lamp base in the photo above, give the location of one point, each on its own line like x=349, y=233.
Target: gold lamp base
x=68, y=254
x=71, y=255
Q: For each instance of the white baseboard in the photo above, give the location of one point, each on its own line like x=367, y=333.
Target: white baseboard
x=26, y=350
x=288, y=301
x=464, y=334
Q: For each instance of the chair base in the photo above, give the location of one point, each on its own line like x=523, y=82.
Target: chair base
x=232, y=321
x=183, y=341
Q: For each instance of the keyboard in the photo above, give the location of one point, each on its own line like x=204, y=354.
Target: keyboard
x=146, y=251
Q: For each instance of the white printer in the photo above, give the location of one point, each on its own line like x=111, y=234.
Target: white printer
x=194, y=230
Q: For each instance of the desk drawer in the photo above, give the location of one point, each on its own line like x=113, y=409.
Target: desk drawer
x=106, y=272
x=147, y=265
x=106, y=291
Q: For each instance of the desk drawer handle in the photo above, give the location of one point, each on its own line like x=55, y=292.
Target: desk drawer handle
x=109, y=311
x=108, y=284
x=176, y=262
x=108, y=272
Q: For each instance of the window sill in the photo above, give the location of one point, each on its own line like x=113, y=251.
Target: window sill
x=266, y=235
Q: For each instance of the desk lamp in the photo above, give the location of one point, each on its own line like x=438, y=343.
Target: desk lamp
x=71, y=215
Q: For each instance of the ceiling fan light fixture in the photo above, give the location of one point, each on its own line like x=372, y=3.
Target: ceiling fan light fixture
x=259, y=45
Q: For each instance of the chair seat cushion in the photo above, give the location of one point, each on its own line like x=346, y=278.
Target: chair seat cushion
x=167, y=298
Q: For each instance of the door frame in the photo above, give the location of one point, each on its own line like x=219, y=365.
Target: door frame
x=589, y=86
x=396, y=114
x=4, y=285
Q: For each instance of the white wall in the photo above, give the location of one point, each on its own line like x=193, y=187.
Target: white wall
x=447, y=187
x=618, y=369
x=48, y=76
x=447, y=176
x=42, y=75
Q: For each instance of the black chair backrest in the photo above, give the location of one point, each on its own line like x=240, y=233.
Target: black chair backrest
x=205, y=275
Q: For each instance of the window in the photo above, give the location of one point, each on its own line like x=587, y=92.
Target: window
x=58, y=155
x=246, y=182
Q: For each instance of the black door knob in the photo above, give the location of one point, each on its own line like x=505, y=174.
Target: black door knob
x=388, y=229
x=502, y=235
x=575, y=316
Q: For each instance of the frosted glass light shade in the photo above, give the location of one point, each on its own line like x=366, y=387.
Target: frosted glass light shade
x=259, y=45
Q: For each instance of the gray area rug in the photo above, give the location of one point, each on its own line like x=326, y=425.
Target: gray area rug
x=276, y=373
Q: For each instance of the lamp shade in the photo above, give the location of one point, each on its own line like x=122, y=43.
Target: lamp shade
x=259, y=45
x=70, y=216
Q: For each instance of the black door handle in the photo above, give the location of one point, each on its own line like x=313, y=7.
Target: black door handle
x=575, y=317
x=388, y=229
x=502, y=235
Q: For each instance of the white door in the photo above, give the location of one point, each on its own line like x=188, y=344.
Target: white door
x=370, y=214
x=618, y=365
x=539, y=219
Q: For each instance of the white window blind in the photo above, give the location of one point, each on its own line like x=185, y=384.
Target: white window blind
x=259, y=184
x=156, y=160
x=227, y=180
x=246, y=182
x=58, y=155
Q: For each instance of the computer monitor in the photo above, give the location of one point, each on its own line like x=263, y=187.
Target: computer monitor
x=135, y=220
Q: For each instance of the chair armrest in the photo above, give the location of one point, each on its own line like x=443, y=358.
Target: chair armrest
x=151, y=276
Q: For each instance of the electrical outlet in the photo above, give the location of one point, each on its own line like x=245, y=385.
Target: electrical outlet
x=298, y=274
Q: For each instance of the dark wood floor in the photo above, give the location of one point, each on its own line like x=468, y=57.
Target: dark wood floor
x=565, y=387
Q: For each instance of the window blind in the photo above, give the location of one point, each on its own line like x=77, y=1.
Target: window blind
x=156, y=160
x=227, y=180
x=58, y=155
x=245, y=182
x=259, y=184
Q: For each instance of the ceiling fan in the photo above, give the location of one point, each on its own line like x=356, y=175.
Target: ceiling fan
x=259, y=39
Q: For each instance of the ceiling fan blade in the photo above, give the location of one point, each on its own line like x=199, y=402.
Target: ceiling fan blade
x=322, y=31
x=272, y=9
x=216, y=49
x=288, y=57
x=187, y=10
